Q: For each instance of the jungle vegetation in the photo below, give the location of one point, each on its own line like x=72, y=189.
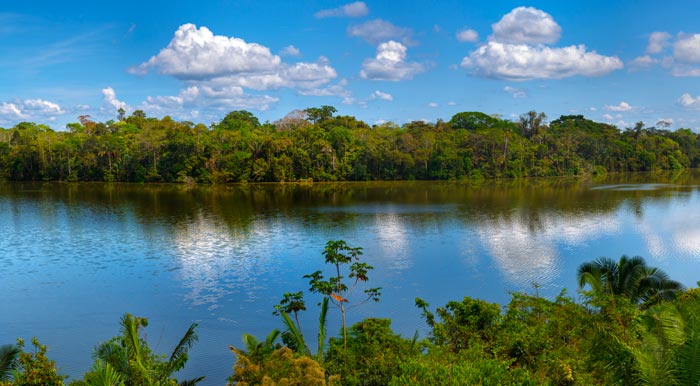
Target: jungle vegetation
x=631, y=325
x=317, y=145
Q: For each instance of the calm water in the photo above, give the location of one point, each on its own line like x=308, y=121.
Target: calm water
x=75, y=257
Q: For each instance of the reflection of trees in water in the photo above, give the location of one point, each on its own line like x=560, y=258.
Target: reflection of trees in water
x=519, y=221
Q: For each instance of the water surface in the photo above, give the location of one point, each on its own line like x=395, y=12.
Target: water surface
x=75, y=257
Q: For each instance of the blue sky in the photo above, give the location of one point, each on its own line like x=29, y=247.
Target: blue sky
x=377, y=60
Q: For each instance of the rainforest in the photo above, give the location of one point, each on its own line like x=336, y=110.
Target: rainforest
x=316, y=145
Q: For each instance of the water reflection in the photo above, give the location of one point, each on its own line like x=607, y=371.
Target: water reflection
x=527, y=253
x=224, y=255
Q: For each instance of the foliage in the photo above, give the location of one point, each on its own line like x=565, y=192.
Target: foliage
x=9, y=355
x=629, y=277
x=461, y=324
x=33, y=368
x=373, y=353
x=127, y=358
x=316, y=145
x=282, y=367
x=347, y=274
x=466, y=368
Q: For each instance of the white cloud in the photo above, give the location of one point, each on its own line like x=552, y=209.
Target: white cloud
x=467, y=35
x=515, y=92
x=381, y=95
x=196, y=53
x=335, y=90
x=657, y=42
x=110, y=98
x=82, y=107
x=200, y=58
x=41, y=107
x=29, y=110
x=356, y=9
x=378, y=30
x=9, y=111
x=686, y=49
x=526, y=25
x=433, y=105
x=290, y=51
x=194, y=98
x=643, y=62
x=689, y=102
x=623, y=106
x=390, y=64
x=517, y=51
x=525, y=62
x=451, y=103
x=608, y=117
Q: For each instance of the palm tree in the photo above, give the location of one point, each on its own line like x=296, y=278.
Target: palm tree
x=629, y=277
x=131, y=358
x=8, y=360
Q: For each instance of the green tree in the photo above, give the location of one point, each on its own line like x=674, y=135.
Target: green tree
x=320, y=114
x=33, y=368
x=629, y=277
x=131, y=357
x=348, y=270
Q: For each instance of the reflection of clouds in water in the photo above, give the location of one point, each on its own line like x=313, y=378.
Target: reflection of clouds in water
x=527, y=254
x=392, y=235
x=682, y=227
x=216, y=261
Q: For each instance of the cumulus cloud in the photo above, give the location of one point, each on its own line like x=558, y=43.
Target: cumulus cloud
x=689, y=102
x=517, y=51
x=467, y=35
x=334, y=90
x=684, y=60
x=9, y=111
x=206, y=97
x=433, y=105
x=356, y=9
x=217, y=70
x=390, y=64
x=290, y=51
x=526, y=25
x=381, y=95
x=686, y=49
x=623, y=106
x=515, y=92
x=110, y=98
x=30, y=110
x=657, y=42
x=643, y=62
x=196, y=53
x=524, y=62
x=378, y=30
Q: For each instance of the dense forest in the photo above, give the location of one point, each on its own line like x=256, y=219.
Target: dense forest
x=633, y=325
x=316, y=145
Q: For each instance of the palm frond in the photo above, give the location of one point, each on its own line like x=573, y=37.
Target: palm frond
x=295, y=333
x=8, y=360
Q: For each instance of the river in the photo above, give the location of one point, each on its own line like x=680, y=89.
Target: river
x=75, y=257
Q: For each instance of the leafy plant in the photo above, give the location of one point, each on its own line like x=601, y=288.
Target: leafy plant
x=129, y=359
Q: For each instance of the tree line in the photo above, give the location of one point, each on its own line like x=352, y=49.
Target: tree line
x=317, y=145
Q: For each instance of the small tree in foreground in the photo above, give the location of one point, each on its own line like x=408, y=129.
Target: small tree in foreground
x=33, y=368
x=348, y=273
